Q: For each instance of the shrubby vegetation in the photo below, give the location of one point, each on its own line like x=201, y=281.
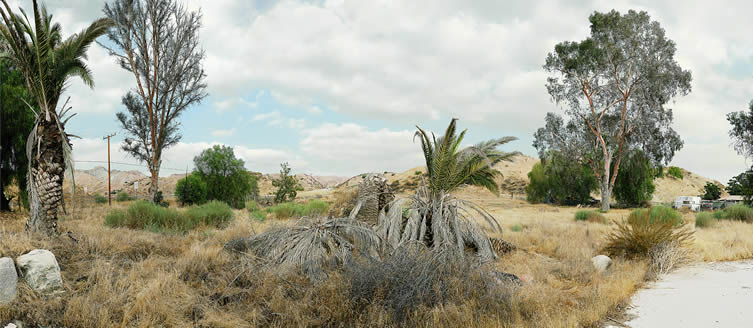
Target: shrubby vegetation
x=100, y=199
x=148, y=216
x=646, y=229
x=704, y=220
x=590, y=216
x=742, y=185
x=124, y=197
x=191, y=190
x=560, y=180
x=635, y=183
x=287, y=210
x=675, y=171
x=287, y=185
x=225, y=176
x=737, y=212
x=711, y=191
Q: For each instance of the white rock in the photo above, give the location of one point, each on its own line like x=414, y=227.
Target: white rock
x=40, y=270
x=11, y=325
x=601, y=262
x=8, y=280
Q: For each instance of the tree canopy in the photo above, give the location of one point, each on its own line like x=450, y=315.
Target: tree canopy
x=614, y=87
x=225, y=175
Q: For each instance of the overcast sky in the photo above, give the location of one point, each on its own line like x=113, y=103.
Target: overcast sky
x=336, y=87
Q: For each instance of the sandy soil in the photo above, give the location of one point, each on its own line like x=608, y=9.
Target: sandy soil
x=702, y=295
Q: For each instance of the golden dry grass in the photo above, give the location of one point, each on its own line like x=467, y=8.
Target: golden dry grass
x=127, y=278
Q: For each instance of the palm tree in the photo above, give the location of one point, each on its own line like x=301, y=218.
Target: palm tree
x=435, y=217
x=47, y=63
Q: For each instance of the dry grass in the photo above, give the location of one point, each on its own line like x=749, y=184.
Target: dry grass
x=126, y=278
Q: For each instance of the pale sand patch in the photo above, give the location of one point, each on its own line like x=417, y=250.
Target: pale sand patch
x=703, y=295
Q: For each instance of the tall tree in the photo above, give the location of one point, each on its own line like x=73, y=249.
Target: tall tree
x=157, y=41
x=47, y=63
x=16, y=121
x=615, y=85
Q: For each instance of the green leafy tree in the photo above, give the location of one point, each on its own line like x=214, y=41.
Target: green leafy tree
x=287, y=185
x=742, y=131
x=16, y=121
x=635, y=184
x=711, y=191
x=47, y=63
x=191, y=190
x=675, y=172
x=449, y=167
x=560, y=180
x=614, y=85
x=742, y=185
x=225, y=175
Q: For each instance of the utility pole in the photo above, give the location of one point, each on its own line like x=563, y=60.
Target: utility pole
x=109, y=191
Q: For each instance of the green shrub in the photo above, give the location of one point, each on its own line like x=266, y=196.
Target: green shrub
x=225, y=176
x=214, y=213
x=675, y=172
x=719, y=215
x=558, y=179
x=99, y=199
x=738, y=212
x=590, y=216
x=516, y=228
x=124, y=197
x=314, y=207
x=191, y=190
x=417, y=173
x=704, y=219
x=660, y=214
x=635, y=183
x=643, y=231
x=251, y=205
x=148, y=216
x=258, y=215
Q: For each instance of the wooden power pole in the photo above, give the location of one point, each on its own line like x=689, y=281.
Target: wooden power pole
x=109, y=191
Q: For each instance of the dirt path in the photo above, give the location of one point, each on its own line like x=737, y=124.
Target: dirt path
x=702, y=295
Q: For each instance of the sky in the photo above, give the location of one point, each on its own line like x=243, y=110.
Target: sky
x=337, y=87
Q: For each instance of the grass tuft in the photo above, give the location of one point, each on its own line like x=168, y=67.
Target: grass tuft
x=645, y=229
x=147, y=216
x=738, y=212
x=292, y=210
x=590, y=216
x=704, y=220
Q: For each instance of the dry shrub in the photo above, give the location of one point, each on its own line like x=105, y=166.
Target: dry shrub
x=343, y=203
x=414, y=277
x=665, y=257
x=645, y=230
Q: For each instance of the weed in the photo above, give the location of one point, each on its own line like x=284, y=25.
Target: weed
x=644, y=230
x=704, y=220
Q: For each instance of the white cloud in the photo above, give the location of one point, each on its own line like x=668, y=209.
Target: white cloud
x=351, y=149
x=223, y=133
x=314, y=109
x=272, y=116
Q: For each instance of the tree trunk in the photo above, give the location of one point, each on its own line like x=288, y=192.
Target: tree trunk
x=45, y=182
x=606, y=191
x=154, y=185
x=4, y=201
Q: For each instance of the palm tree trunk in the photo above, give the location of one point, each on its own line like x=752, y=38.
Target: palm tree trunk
x=46, y=169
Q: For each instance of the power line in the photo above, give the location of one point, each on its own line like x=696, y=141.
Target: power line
x=130, y=164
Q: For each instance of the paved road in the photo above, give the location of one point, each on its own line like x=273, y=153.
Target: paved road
x=703, y=295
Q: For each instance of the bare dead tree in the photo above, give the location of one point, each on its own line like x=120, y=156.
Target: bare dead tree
x=157, y=41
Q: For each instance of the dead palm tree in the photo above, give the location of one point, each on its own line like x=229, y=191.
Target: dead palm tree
x=435, y=217
x=47, y=63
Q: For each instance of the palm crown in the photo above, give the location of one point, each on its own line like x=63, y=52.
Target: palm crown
x=45, y=59
x=449, y=167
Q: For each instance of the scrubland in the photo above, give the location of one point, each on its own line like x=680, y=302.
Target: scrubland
x=118, y=277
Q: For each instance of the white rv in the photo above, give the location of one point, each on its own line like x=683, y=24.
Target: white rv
x=691, y=202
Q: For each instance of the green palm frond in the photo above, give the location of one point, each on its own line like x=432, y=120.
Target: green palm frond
x=449, y=167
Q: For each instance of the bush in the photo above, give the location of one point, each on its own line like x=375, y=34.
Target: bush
x=287, y=185
x=675, y=172
x=313, y=208
x=661, y=214
x=719, y=215
x=590, y=216
x=738, y=212
x=225, y=176
x=704, y=219
x=644, y=230
x=557, y=179
x=124, y=197
x=148, y=216
x=99, y=199
x=191, y=190
x=214, y=214
x=417, y=173
x=634, y=184
x=252, y=205
x=711, y=191
x=414, y=278
x=258, y=215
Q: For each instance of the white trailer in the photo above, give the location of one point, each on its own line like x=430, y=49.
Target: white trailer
x=691, y=202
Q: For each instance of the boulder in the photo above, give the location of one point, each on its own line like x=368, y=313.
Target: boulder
x=40, y=270
x=601, y=262
x=8, y=280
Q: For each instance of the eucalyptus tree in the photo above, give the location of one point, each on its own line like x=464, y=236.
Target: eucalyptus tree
x=614, y=86
x=742, y=131
x=47, y=63
x=16, y=121
x=158, y=42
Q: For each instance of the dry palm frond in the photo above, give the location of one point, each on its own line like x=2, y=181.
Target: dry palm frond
x=439, y=222
x=312, y=246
